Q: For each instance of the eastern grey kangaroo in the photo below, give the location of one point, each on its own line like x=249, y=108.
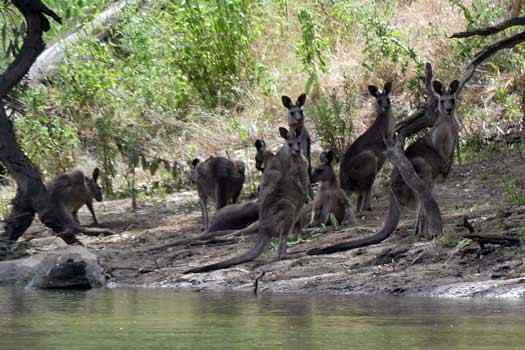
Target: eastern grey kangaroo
x=218, y=178
x=296, y=125
x=364, y=158
x=74, y=189
x=330, y=199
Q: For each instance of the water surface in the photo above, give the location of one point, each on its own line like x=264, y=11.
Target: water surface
x=167, y=319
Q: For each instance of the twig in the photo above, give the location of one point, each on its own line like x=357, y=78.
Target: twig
x=256, y=283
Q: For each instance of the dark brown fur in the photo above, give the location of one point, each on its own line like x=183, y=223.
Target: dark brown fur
x=74, y=190
x=218, y=178
x=364, y=158
x=283, y=193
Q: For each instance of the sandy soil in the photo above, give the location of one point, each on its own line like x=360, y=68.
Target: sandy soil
x=401, y=265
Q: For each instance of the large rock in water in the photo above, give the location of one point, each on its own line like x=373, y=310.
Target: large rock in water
x=72, y=267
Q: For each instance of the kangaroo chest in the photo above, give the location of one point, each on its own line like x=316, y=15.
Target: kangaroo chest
x=443, y=139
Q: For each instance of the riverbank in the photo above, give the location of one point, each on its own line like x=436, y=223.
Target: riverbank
x=450, y=266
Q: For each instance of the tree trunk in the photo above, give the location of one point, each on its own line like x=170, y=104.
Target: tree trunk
x=515, y=8
x=32, y=196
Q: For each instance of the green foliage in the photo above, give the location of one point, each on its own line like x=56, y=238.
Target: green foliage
x=449, y=239
x=49, y=140
x=332, y=116
x=211, y=42
x=384, y=44
x=514, y=191
x=312, y=47
x=479, y=14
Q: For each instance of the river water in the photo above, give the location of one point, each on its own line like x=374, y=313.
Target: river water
x=168, y=319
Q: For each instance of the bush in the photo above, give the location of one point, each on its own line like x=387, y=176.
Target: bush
x=332, y=115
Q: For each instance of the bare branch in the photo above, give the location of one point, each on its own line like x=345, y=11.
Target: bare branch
x=518, y=21
x=488, y=52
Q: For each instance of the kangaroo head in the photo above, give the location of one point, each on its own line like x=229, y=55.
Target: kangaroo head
x=295, y=111
x=324, y=172
x=382, y=98
x=446, y=97
x=194, y=175
x=260, y=146
x=240, y=167
x=93, y=187
x=292, y=141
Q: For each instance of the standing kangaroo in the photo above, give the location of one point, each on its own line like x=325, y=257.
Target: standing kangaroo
x=330, y=199
x=284, y=191
x=296, y=125
x=74, y=189
x=431, y=155
x=364, y=158
x=218, y=178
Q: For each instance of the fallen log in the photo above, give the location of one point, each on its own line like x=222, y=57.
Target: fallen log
x=493, y=239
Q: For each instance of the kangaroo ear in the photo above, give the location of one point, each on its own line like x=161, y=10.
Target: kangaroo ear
x=373, y=90
x=287, y=102
x=388, y=87
x=438, y=87
x=453, y=87
x=284, y=133
x=195, y=162
x=301, y=100
x=259, y=145
x=96, y=174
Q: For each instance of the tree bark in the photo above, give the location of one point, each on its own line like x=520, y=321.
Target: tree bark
x=515, y=8
x=32, y=196
x=100, y=27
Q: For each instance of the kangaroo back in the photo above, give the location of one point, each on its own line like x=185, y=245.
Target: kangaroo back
x=74, y=189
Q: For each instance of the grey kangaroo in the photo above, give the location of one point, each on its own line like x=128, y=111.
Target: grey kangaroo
x=364, y=158
x=262, y=155
x=330, y=199
x=74, y=190
x=431, y=156
x=296, y=125
x=218, y=178
x=284, y=191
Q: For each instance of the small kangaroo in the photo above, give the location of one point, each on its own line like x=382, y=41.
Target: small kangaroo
x=364, y=159
x=431, y=155
x=74, y=189
x=284, y=191
x=330, y=199
x=296, y=125
x=218, y=178
x=262, y=155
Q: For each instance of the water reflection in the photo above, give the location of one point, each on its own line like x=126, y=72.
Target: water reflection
x=166, y=319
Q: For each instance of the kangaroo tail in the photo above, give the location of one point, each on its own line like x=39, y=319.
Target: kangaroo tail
x=261, y=244
x=390, y=225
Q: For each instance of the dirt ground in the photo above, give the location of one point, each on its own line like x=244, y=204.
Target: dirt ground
x=401, y=265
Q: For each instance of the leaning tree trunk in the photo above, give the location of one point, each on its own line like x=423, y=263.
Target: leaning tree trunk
x=32, y=196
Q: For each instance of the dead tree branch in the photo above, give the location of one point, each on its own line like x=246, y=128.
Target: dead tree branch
x=518, y=21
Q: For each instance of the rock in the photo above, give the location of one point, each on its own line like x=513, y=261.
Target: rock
x=72, y=267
